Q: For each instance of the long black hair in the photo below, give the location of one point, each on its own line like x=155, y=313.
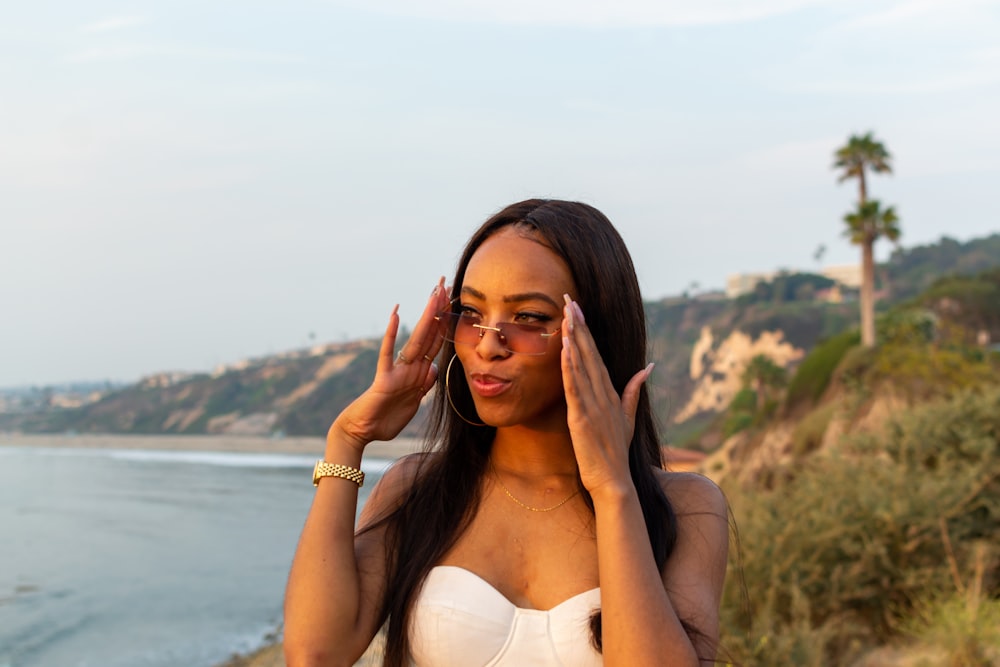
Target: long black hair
x=445, y=494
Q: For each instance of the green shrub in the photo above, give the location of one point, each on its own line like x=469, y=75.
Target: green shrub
x=809, y=432
x=967, y=638
x=814, y=373
x=907, y=325
x=836, y=554
x=736, y=422
x=961, y=625
x=925, y=371
x=745, y=400
x=854, y=367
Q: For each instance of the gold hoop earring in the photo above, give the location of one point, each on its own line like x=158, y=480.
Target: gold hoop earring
x=447, y=392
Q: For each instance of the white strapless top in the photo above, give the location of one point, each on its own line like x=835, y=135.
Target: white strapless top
x=460, y=620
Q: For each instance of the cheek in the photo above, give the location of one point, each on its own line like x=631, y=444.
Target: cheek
x=464, y=353
x=550, y=373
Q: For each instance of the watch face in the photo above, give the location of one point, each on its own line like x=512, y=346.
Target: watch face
x=316, y=473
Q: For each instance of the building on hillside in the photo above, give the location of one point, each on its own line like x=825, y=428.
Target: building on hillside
x=738, y=284
x=164, y=380
x=848, y=275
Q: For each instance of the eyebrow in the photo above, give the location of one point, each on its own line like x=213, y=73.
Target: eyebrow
x=513, y=298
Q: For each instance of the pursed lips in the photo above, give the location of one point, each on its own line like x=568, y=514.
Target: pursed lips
x=489, y=385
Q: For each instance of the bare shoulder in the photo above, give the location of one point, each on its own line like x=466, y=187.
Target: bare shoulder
x=696, y=570
x=691, y=493
x=404, y=470
x=394, y=486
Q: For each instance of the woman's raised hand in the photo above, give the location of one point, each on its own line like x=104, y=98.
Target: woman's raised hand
x=391, y=401
x=601, y=423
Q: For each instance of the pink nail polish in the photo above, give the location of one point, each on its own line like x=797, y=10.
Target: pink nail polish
x=579, y=313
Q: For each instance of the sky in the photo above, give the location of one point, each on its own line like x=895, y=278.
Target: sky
x=189, y=183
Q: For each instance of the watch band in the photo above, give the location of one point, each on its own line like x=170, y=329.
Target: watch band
x=324, y=469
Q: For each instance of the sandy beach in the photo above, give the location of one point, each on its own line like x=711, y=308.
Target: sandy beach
x=207, y=443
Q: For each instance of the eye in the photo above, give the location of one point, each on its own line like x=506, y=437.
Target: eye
x=528, y=317
x=468, y=314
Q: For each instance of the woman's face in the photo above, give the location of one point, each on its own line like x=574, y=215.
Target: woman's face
x=513, y=278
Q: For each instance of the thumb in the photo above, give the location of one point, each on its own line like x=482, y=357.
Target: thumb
x=630, y=397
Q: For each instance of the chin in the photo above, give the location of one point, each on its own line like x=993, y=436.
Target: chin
x=498, y=417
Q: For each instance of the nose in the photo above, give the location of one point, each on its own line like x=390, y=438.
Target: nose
x=492, y=343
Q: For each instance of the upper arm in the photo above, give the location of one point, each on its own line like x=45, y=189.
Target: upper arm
x=695, y=572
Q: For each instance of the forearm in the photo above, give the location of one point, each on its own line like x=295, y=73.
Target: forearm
x=323, y=598
x=332, y=606
x=639, y=623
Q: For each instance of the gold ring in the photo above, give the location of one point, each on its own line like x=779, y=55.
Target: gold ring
x=401, y=358
x=431, y=359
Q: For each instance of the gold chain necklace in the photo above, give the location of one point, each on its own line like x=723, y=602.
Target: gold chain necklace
x=525, y=506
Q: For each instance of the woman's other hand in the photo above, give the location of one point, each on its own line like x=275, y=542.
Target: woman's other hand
x=601, y=423
x=401, y=381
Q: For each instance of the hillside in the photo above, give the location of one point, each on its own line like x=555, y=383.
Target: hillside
x=700, y=346
x=295, y=393
x=867, y=494
x=300, y=393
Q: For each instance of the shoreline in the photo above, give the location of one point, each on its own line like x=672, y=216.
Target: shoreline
x=270, y=653
x=203, y=443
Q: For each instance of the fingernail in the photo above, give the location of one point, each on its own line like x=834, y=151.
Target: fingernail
x=649, y=369
x=568, y=312
x=579, y=313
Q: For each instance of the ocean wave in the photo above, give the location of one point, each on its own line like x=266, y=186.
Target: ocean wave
x=233, y=459
x=225, y=459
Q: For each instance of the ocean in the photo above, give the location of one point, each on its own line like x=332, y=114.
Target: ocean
x=145, y=558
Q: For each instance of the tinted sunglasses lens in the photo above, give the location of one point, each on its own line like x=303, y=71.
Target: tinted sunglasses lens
x=519, y=338
x=458, y=329
x=525, y=339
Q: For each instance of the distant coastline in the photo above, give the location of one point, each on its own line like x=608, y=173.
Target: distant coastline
x=208, y=443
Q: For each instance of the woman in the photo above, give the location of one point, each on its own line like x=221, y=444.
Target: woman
x=541, y=529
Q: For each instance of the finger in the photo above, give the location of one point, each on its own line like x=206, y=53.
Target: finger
x=425, y=341
x=590, y=357
x=630, y=397
x=570, y=355
x=430, y=379
x=577, y=371
x=388, y=342
x=589, y=364
x=441, y=302
x=581, y=398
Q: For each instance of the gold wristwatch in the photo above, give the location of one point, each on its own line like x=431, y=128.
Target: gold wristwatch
x=324, y=469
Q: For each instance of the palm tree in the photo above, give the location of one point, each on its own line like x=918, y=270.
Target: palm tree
x=865, y=226
x=862, y=152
